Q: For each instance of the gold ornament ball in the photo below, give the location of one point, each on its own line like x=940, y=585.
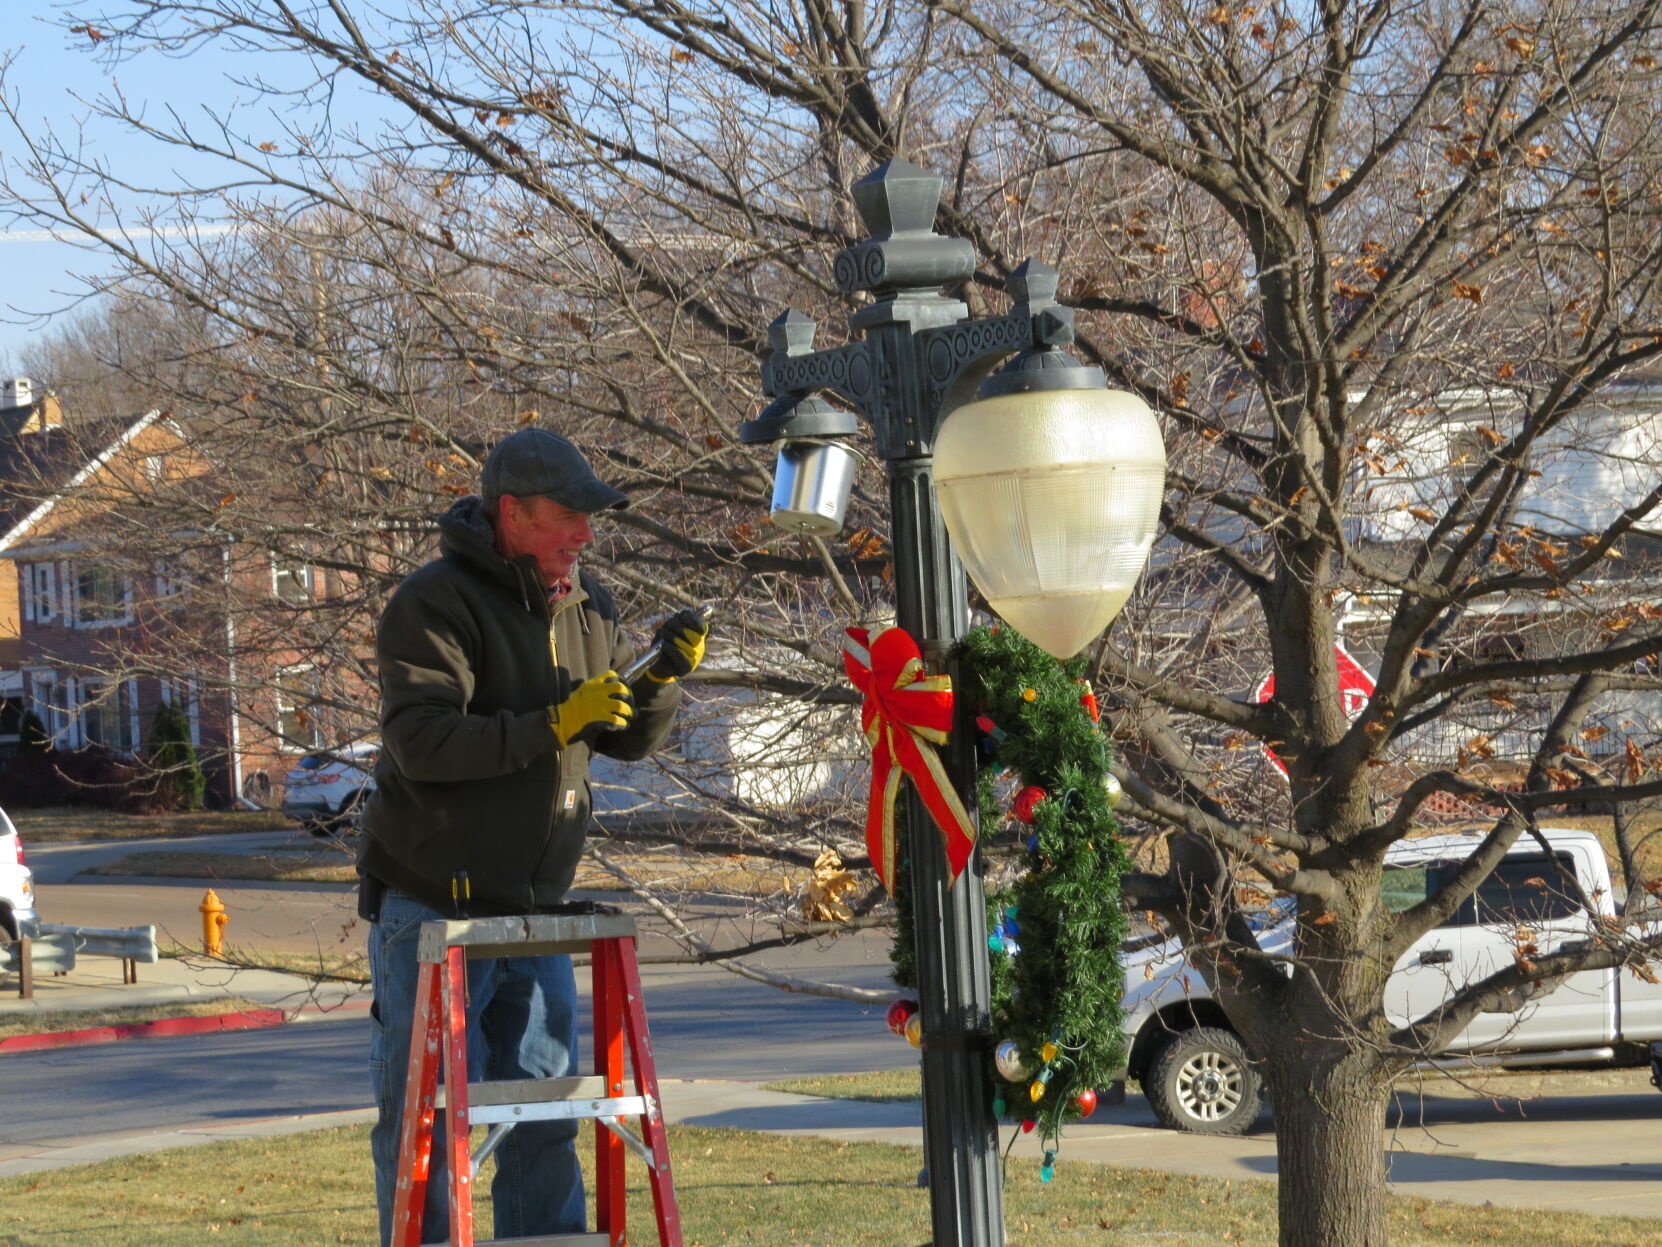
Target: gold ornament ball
x=1112, y=787
x=1030, y=694
x=914, y=1030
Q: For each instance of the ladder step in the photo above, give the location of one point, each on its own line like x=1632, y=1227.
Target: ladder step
x=530, y=1091
x=563, y=1110
x=547, y=1240
x=532, y=935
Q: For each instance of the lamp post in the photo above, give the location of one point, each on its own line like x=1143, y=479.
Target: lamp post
x=920, y=359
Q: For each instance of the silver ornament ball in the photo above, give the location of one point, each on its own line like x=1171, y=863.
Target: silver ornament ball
x=1007, y=1057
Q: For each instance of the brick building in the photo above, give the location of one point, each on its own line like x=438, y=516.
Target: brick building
x=102, y=622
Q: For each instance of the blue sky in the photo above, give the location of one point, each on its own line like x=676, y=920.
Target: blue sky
x=48, y=70
x=53, y=77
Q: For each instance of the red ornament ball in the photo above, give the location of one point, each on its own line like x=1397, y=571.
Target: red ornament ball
x=900, y=1012
x=1026, y=799
x=1086, y=1100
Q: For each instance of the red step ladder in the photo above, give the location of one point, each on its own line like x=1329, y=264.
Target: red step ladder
x=441, y=1027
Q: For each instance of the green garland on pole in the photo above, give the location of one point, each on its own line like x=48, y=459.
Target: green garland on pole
x=1054, y=939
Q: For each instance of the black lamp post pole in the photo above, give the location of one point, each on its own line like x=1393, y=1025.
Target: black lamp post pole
x=920, y=358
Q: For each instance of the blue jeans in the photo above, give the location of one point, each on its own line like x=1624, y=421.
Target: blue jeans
x=521, y=1023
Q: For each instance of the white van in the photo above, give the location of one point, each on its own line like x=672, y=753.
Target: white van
x=17, y=889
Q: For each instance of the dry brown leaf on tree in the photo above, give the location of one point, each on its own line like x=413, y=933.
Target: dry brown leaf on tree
x=822, y=898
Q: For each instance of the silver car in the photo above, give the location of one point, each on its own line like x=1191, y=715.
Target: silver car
x=326, y=791
x=17, y=887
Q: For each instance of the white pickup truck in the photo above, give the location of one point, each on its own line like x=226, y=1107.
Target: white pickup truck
x=1198, y=1075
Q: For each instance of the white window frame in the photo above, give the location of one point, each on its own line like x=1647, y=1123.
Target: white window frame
x=125, y=584
x=90, y=692
x=286, y=702
x=40, y=591
x=170, y=583
x=46, y=698
x=69, y=689
x=296, y=573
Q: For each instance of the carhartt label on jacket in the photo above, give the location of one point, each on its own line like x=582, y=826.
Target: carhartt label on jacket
x=571, y=799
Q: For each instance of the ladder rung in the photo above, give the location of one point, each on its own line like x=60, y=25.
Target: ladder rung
x=532, y=935
x=547, y=1240
x=529, y=1091
x=562, y=1110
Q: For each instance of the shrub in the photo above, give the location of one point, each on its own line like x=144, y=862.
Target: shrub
x=178, y=779
x=91, y=776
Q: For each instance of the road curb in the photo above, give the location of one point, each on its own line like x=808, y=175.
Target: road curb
x=242, y=1019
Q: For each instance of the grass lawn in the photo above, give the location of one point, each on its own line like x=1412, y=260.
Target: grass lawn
x=667, y=870
x=300, y=865
x=53, y=826
x=351, y=967
x=886, y=1086
x=735, y=1188
x=1521, y=1085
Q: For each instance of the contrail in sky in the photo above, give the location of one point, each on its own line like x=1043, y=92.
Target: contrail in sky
x=149, y=231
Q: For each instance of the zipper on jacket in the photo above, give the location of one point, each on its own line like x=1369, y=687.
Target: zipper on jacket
x=575, y=598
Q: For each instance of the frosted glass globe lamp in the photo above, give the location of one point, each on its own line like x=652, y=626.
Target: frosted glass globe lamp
x=1050, y=485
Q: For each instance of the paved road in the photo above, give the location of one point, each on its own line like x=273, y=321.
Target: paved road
x=288, y=918
x=60, y=863
x=706, y=1023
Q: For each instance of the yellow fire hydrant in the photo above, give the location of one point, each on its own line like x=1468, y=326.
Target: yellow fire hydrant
x=213, y=923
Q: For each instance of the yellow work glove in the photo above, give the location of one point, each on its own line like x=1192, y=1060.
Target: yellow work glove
x=602, y=699
x=680, y=641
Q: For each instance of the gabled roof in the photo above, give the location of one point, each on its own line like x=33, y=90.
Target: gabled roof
x=38, y=468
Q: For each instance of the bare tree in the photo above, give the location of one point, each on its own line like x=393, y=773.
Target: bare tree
x=1388, y=271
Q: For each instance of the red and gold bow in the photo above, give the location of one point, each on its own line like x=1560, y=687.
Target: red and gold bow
x=905, y=713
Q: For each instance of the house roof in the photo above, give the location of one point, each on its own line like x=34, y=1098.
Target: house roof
x=37, y=468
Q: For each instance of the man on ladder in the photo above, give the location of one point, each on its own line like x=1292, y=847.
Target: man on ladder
x=498, y=668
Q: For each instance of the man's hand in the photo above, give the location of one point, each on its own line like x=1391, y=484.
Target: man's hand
x=680, y=641
x=602, y=699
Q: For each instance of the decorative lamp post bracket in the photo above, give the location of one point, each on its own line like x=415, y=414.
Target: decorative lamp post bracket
x=921, y=357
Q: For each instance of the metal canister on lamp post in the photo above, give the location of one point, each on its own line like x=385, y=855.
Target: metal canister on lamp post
x=811, y=484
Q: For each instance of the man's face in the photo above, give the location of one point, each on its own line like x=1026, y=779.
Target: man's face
x=552, y=534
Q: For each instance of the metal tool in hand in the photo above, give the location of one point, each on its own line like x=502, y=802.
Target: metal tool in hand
x=650, y=654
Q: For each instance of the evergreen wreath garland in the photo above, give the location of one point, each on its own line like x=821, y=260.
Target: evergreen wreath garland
x=1054, y=938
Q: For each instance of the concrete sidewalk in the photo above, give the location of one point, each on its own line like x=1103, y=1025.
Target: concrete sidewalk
x=95, y=985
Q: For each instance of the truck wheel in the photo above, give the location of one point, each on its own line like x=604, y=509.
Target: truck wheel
x=1202, y=1081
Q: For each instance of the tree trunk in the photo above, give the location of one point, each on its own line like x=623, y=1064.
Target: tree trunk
x=1330, y=1140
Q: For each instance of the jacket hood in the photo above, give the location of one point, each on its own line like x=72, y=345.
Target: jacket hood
x=465, y=533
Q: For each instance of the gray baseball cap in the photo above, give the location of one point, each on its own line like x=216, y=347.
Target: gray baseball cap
x=535, y=461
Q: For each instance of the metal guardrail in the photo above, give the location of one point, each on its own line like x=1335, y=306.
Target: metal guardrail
x=128, y=943
x=50, y=953
x=54, y=948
